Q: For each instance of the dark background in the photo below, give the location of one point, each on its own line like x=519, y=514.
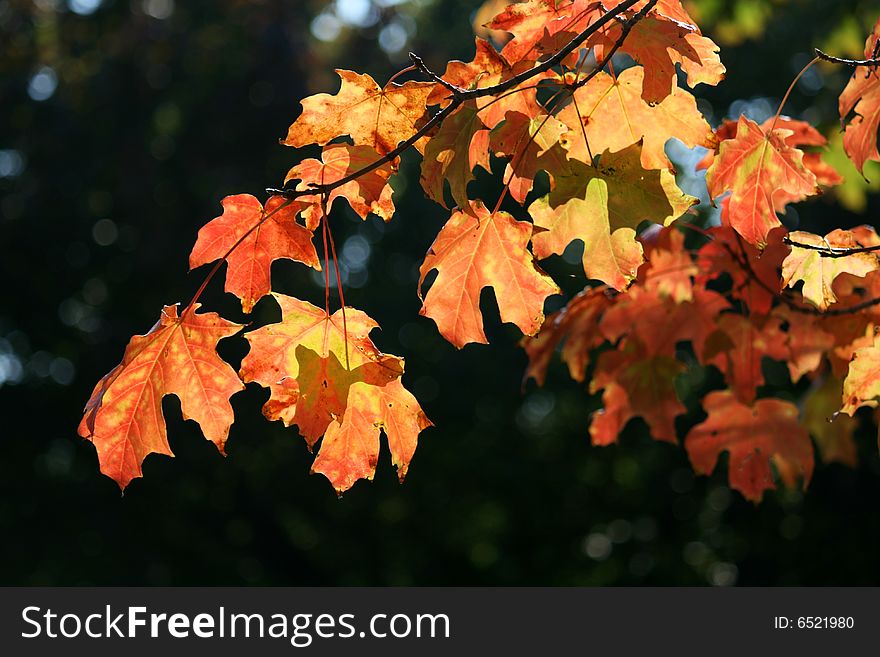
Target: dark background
x=123, y=124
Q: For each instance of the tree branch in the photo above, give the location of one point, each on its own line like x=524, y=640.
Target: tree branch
x=847, y=62
x=832, y=251
x=419, y=63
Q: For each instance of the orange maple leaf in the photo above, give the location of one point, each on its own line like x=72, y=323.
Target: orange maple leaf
x=861, y=387
x=527, y=142
x=862, y=96
x=310, y=360
x=541, y=26
x=544, y=26
x=371, y=115
x=248, y=274
x=755, y=273
x=178, y=356
x=658, y=322
x=807, y=341
x=369, y=193
x=613, y=115
x=739, y=345
x=577, y=324
x=459, y=146
x=350, y=448
x=635, y=384
x=478, y=250
x=802, y=135
x=851, y=332
x=763, y=173
x=669, y=267
x=754, y=436
x=658, y=43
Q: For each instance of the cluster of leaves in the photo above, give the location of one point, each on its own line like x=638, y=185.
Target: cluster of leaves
x=663, y=298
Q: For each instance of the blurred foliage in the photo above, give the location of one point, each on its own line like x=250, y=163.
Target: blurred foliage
x=123, y=124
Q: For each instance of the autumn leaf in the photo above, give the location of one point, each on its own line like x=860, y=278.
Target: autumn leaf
x=487, y=69
x=604, y=220
x=852, y=331
x=802, y=135
x=861, y=97
x=818, y=272
x=310, y=360
x=544, y=26
x=460, y=145
x=635, y=384
x=261, y=235
x=635, y=194
x=754, y=273
x=613, y=115
x=369, y=194
x=670, y=268
x=577, y=327
x=611, y=255
x=833, y=431
x=738, y=347
x=763, y=174
x=178, y=356
x=479, y=250
x=524, y=140
x=807, y=341
x=540, y=26
x=658, y=43
x=372, y=116
x=350, y=448
x=861, y=387
x=659, y=323
x=754, y=436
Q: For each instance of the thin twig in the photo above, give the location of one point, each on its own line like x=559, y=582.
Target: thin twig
x=847, y=62
x=420, y=65
x=832, y=251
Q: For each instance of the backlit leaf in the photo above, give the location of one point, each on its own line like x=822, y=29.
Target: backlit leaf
x=123, y=417
x=763, y=174
x=754, y=436
x=862, y=98
x=613, y=115
x=310, y=360
x=479, y=250
x=350, y=448
x=370, y=193
x=248, y=274
x=372, y=116
x=611, y=254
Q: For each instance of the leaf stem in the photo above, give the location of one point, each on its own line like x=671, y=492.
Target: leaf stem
x=790, y=89
x=339, y=287
x=324, y=231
